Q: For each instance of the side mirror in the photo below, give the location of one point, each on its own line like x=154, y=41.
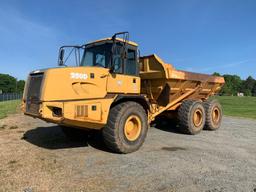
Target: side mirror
x=61, y=57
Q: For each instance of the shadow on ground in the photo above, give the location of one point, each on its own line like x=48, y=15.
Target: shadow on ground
x=164, y=124
x=53, y=138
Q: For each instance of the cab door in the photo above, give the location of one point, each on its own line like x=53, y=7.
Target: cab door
x=125, y=76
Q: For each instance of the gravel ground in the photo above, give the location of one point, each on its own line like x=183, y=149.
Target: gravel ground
x=36, y=156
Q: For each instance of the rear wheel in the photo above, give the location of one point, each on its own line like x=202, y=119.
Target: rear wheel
x=213, y=114
x=126, y=128
x=74, y=134
x=191, y=116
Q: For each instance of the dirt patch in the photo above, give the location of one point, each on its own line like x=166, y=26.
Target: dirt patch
x=13, y=127
x=12, y=162
x=36, y=156
x=3, y=127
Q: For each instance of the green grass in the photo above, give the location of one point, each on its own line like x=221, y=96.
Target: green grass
x=232, y=106
x=238, y=106
x=8, y=107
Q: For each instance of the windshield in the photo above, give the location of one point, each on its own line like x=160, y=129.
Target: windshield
x=97, y=56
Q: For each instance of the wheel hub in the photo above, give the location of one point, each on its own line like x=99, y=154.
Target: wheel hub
x=215, y=115
x=132, y=128
x=198, y=117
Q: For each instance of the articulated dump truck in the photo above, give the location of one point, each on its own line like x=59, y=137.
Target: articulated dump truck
x=111, y=88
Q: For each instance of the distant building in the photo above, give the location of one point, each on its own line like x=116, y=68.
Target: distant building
x=240, y=94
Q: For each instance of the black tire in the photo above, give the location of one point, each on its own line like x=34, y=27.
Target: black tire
x=114, y=133
x=187, y=112
x=214, y=114
x=75, y=134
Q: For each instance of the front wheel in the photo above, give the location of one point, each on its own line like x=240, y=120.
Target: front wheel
x=126, y=128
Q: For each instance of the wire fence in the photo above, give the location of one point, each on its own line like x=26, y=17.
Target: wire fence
x=10, y=96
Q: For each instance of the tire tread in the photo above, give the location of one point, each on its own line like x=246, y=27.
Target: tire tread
x=110, y=132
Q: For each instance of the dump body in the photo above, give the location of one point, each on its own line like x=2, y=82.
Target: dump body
x=167, y=87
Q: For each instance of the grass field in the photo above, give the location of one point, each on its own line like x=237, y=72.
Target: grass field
x=8, y=107
x=232, y=106
x=238, y=106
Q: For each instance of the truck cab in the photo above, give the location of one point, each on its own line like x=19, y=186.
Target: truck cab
x=80, y=96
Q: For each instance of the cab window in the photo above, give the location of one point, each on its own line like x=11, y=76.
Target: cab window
x=117, y=60
x=97, y=56
x=131, y=64
x=100, y=59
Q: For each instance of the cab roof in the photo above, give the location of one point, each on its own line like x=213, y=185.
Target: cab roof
x=110, y=39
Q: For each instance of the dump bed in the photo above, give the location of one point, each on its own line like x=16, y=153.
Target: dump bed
x=166, y=86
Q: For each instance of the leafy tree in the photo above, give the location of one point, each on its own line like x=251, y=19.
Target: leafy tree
x=247, y=86
x=7, y=83
x=232, y=84
x=216, y=74
x=236, y=83
x=247, y=92
x=20, y=86
x=254, y=89
x=226, y=90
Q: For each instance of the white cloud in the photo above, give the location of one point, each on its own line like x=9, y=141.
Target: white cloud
x=26, y=44
x=16, y=28
x=218, y=67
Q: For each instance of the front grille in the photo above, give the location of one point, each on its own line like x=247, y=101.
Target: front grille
x=81, y=111
x=33, y=93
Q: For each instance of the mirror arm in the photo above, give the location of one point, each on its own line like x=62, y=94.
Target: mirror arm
x=61, y=54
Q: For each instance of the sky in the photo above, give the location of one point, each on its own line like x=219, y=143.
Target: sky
x=202, y=36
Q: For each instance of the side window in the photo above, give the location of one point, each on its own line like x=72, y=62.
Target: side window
x=100, y=60
x=117, y=61
x=117, y=64
x=88, y=59
x=131, y=67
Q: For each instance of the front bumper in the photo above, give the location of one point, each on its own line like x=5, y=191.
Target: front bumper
x=83, y=114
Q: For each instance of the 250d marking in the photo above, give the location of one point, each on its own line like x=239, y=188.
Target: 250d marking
x=78, y=75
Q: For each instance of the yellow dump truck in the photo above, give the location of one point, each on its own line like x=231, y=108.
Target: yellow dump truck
x=113, y=89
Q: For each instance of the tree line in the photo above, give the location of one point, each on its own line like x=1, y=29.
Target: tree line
x=9, y=84
x=234, y=84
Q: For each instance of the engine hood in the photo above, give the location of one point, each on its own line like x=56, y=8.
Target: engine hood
x=73, y=83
